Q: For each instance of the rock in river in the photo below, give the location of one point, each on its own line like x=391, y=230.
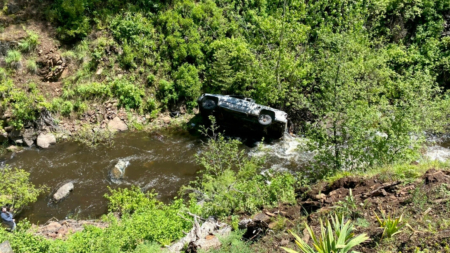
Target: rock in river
x=63, y=191
x=119, y=169
x=45, y=140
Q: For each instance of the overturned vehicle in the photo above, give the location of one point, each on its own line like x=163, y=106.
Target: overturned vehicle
x=239, y=112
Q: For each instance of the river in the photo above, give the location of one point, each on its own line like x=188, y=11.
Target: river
x=160, y=162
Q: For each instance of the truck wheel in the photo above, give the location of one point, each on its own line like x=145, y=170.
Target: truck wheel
x=265, y=118
x=209, y=104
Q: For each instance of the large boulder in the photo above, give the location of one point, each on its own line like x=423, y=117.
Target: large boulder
x=63, y=191
x=119, y=169
x=5, y=247
x=45, y=140
x=117, y=125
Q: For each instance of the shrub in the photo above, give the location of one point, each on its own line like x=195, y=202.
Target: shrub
x=66, y=108
x=336, y=237
x=93, y=90
x=167, y=93
x=129, y=95
x=188, y=84
x=13, y=58
x=144, y=217
x=30, y=43
x=31, y=66
x=16, y=188
x=232, y=182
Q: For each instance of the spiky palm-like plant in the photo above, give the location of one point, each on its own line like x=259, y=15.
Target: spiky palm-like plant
x=336, y=237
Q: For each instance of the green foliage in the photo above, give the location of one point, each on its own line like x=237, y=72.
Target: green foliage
x=31, y=66
x=336, y=236
x=232, y=182
x=167, y=93
x=16, y=188
x=30, y=43
x=390, y=226
x=66, y=108
x=93, y=90
x=145, y=217
x=129, y=94
x=188, y=84
x=24, y=105
x=13, y=57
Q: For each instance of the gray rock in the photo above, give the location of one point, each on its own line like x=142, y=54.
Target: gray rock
x=5, y=247
x=119, y=169
x=117, y=125
x=45, y=140
x=63, y=191
x=29, y=136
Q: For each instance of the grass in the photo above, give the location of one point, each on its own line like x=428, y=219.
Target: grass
x=31, y=66
x=13, y=57
x=233, y=243
x=404, y=172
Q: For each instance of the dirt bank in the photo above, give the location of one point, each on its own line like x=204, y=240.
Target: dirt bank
x=424, y=203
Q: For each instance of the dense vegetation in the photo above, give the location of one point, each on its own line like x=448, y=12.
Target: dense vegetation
x=362, y=79
x=364, y=74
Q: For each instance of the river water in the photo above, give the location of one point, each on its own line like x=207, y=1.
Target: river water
x=162, y=163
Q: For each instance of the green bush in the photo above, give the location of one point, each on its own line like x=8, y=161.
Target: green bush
x=13, y=57
x=16, y=188
x=30, y=43
x=167, y=93
x=129, y=95
x=188, y=84
x=232, y=182
x=93, y=90
x=31, y=66
x=66, y=108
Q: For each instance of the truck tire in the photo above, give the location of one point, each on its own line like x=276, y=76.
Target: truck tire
x=265, y=118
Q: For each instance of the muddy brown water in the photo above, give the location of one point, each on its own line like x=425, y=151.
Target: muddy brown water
x=161, y=163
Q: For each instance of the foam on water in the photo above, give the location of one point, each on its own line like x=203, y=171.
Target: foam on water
x=289, y=153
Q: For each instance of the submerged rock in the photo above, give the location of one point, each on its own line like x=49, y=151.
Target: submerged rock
x=5, y=247
x=63, y=191
x=117, y=125
x=45, y=140
x=13, y=148
x=119, y=169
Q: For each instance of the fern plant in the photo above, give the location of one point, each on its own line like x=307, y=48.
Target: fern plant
x=336, y=237
x=391, y=226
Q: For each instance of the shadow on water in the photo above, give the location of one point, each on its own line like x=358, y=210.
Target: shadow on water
x=159, y=161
